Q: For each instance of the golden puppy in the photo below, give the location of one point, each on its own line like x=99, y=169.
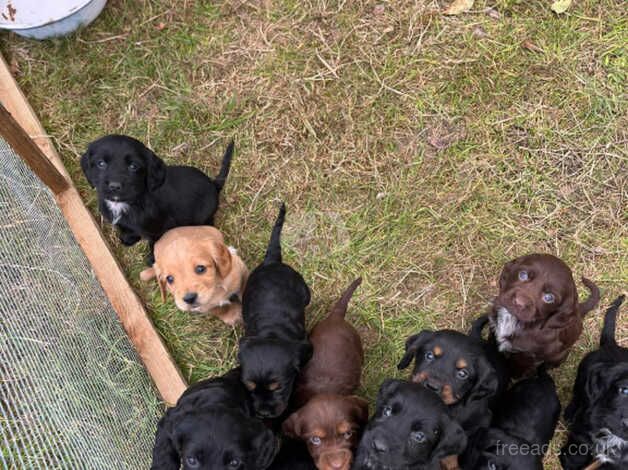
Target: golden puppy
x=200, y=271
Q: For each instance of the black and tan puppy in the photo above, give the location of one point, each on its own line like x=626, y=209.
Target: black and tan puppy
x=410, y=430
x=275, y=346
x=598, y=412
x=523, y=425
x=142, y=196
x=460, y=370
x=212, y=428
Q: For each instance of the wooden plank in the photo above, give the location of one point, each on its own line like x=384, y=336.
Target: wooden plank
x=133, y=316
x=24, y=146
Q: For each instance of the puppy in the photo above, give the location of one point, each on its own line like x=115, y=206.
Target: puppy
x=522, y=428
x=212, y=427
x=200, y=271
x=411, y=429
x=458, y=369
x=274, y=347
x=293, y=456
x=142, y=196
x=598, y=412
x=330, y=418
x=536, y=317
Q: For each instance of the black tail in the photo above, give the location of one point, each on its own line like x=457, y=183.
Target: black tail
x=592, y=300
x=477, y=326
x=273, y=252
x=340, y=307
x=219, y=181
x=607, y=338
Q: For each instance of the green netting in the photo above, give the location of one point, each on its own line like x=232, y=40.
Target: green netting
x=73, y=392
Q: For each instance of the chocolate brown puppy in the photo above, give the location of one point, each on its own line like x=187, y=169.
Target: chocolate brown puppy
x=536, y=317
x=330, y=418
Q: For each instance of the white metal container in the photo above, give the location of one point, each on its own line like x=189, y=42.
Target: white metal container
x=43, y=19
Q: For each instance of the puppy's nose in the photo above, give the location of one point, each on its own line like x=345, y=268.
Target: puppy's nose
x=114, y=186
x=190, y=297
x=520, y=301
x=379, y=445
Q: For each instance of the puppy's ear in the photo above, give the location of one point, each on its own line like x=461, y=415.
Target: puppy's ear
x=292, y=426
x=487, y=381
x=87, y=167
x=147, y=274
x=388, y=387
x=453, y=440
x=599, y=380
x=165, y=454
x=506, y=272
x=304, y=354
x=413, y=344
x=155, y=170
x=222, y=258
x=359, y=410
x=266, y=447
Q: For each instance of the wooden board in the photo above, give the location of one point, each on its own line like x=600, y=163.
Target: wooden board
x=126, y=303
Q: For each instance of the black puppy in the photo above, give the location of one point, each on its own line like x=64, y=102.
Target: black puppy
x=144, y=197
x=460, y=370
x=293, y=455
x=598, y=412
x=522, y=428
x=411, y=429
x=275, y=345
x=212, y=427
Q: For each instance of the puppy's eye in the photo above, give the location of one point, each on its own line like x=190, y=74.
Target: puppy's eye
x=417, y=436
x=462, y=374
x=523, y=275
x=348, y=435
x=315, y=441
x=387, y=411
x=623, y=391
x=170, y=279
x=234, y=463
x=250, y=385
x=548, y=298
x=429, y=356
x=192, y=462
x=200, y=269
x=101, y=164
x=436, y=431
x=133, y=167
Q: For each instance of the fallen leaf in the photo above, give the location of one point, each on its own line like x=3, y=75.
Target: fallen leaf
x=493, y=13
x=529, y=45
x=459, y=6
x=561, y=6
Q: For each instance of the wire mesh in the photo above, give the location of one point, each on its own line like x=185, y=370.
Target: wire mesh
x=73, y=392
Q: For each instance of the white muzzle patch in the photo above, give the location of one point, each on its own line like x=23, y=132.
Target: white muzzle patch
x=504, y=328
x=118, y=209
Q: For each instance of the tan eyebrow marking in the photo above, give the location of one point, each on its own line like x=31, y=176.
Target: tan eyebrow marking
x=461, y=363
x=438, y=351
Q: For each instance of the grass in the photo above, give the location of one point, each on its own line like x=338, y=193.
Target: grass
x=417, y=150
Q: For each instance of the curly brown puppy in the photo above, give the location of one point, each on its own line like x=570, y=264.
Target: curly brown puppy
x=330, y=418
x=201, y=272
x=536, y=317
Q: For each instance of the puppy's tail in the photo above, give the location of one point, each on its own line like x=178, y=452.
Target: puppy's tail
x=607, y=338
x=273, y=252
x=477, y=326
x=592, y=300
x=340, y=307
x=220, y=179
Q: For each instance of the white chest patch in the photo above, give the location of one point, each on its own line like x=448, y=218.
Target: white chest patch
x=118, y=209
x=506, y=325
x=232, y=250
x=608, y=447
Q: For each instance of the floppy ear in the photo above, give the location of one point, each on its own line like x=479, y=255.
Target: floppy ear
x=165, y=454
x=292, y=426
x=487, y=382
x=359, y=409
x=266, y=447
x=413, y=344
x=86, y=166
x=147, y=274
x=304, y=351
x=506, y=272
x=388, y=387
x=598, y=380
x=221, y=256
x=155, y=170
x=453, y=440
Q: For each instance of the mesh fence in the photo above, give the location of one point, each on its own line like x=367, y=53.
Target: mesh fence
x=73, y=392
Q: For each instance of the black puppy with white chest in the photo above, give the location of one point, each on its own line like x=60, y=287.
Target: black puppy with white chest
x=522, y=428
x=410, y=430
x=598, y=412
x=275, y=346
x=142, y=196
x=213, y=428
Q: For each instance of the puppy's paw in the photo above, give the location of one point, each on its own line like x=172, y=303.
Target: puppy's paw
x=230, y=314
x=129, y=239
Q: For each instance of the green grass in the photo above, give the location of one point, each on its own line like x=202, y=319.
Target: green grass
x=333, y=106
